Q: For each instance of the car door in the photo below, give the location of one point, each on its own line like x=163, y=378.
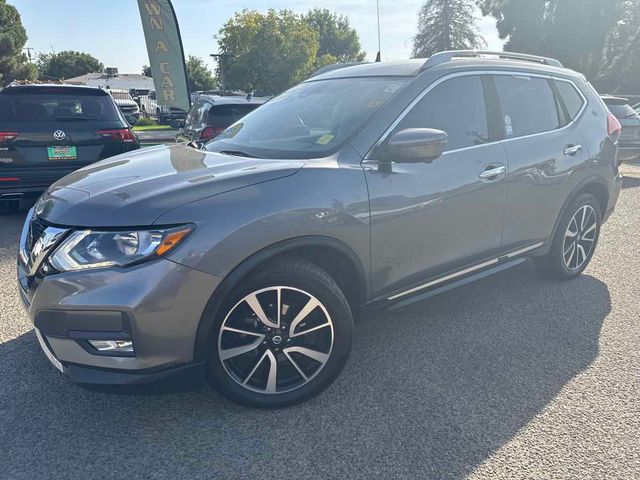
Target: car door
x=544, y=149
x=431, y=219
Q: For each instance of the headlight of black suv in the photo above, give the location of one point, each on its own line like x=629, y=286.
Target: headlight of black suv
x=87, y=249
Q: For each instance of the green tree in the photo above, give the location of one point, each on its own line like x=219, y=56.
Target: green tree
x=146, y=71
x=13, y=37
x=446, y=25
x=574, y=31
x=621, y=70
x=68, y=64
x=338, y=41
x=199, y=75
x=269, y=52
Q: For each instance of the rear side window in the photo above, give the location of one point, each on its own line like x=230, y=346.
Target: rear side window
x=528, y=105
x=33, y=106
x=572, y=100
x=221, y=116
x=457, y=107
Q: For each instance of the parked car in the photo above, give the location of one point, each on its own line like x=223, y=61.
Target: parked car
x=127, y=105
x=211, y=115
x=629, y=148
x=364, y=187
x=48, y=131
x=163, y=115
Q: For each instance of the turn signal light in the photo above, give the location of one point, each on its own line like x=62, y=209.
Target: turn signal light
x=172, y=240
x=124, y=135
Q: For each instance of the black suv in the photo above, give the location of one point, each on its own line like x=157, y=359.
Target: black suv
x=629, y=144
x=210, y=115
x=48, y=131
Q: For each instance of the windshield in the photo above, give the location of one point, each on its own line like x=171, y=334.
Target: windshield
x=122, y=96
x=311, y=120
x=36, y=107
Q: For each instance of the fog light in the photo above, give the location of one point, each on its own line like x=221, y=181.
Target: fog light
x=116, y=346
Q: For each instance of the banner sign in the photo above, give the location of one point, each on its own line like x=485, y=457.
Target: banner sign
x=166, y=56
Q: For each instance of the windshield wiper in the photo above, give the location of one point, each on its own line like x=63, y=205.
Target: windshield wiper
x=238, y=153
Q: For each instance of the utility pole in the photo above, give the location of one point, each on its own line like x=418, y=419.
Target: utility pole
x=379, y=55
x=29, y=49
x=221, y=57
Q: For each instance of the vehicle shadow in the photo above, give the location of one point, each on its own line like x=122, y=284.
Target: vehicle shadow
x=430, y=391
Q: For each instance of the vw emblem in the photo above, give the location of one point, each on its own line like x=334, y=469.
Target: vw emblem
x=59, y=135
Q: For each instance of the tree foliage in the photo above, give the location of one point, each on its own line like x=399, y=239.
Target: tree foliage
x=269, y=52
x=13, y=37
x=338, y=41
x=199, y=75
x=446, y=25
x=146, y=71
x=275, y=50
x=574, y=31
x=67, y=64
x=621, y=69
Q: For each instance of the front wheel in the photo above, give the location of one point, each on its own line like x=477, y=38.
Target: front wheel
x=575, y=240
x=282, y=337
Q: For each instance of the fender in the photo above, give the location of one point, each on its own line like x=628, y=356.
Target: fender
x=232, y=279
x=574, y=193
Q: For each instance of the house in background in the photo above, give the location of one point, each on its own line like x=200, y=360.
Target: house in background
x=112, y=79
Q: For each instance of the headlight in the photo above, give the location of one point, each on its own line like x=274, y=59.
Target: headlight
x=85, y=249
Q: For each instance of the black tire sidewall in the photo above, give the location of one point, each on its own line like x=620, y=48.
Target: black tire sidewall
x=314, y=281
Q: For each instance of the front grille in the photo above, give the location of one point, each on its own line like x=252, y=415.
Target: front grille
x=36, y=229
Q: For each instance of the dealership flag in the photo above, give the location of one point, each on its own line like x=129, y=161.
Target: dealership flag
x=166, y=57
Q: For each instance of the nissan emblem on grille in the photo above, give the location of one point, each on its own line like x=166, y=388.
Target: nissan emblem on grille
x=59, y=135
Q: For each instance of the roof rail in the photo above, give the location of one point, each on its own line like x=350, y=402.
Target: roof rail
x=444, y=57
x=334, y=66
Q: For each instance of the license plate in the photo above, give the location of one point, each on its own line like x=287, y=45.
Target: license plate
x=62, y=153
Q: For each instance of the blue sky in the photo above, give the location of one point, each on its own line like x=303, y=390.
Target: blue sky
x=111, y=29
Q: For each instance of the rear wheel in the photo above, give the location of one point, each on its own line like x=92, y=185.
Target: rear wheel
x=282, y=337
x=575, y=240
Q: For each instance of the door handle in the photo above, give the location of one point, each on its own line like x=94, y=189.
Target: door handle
x=572, y=150
x=493, y=172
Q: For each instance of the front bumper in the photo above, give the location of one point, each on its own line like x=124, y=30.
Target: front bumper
x=158, y=305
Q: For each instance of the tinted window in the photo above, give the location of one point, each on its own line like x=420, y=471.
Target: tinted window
x=455, y=106
x=35, y=106
x=622, y=111
x=570, y=97
x=310, y=120
x=221, y=116
x=528, y=105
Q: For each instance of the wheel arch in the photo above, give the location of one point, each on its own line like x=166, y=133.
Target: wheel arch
x=334, y=256
x=593, y=185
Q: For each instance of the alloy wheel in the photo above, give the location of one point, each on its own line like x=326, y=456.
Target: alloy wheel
x=275, y=340
x=580, y=237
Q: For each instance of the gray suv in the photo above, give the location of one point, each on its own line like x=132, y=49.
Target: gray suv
x=366, y=186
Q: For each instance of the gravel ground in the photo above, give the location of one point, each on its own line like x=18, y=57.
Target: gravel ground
x=511, y=377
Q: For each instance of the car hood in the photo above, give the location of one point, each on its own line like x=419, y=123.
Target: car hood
x=135, y=189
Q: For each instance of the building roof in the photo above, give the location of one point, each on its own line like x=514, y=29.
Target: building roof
x=123, y=77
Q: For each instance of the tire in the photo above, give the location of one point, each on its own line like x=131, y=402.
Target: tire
x=575, y=240
x=276, y=367
x=160, y=117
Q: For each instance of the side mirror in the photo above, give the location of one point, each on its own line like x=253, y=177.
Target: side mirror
x=414, y=145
